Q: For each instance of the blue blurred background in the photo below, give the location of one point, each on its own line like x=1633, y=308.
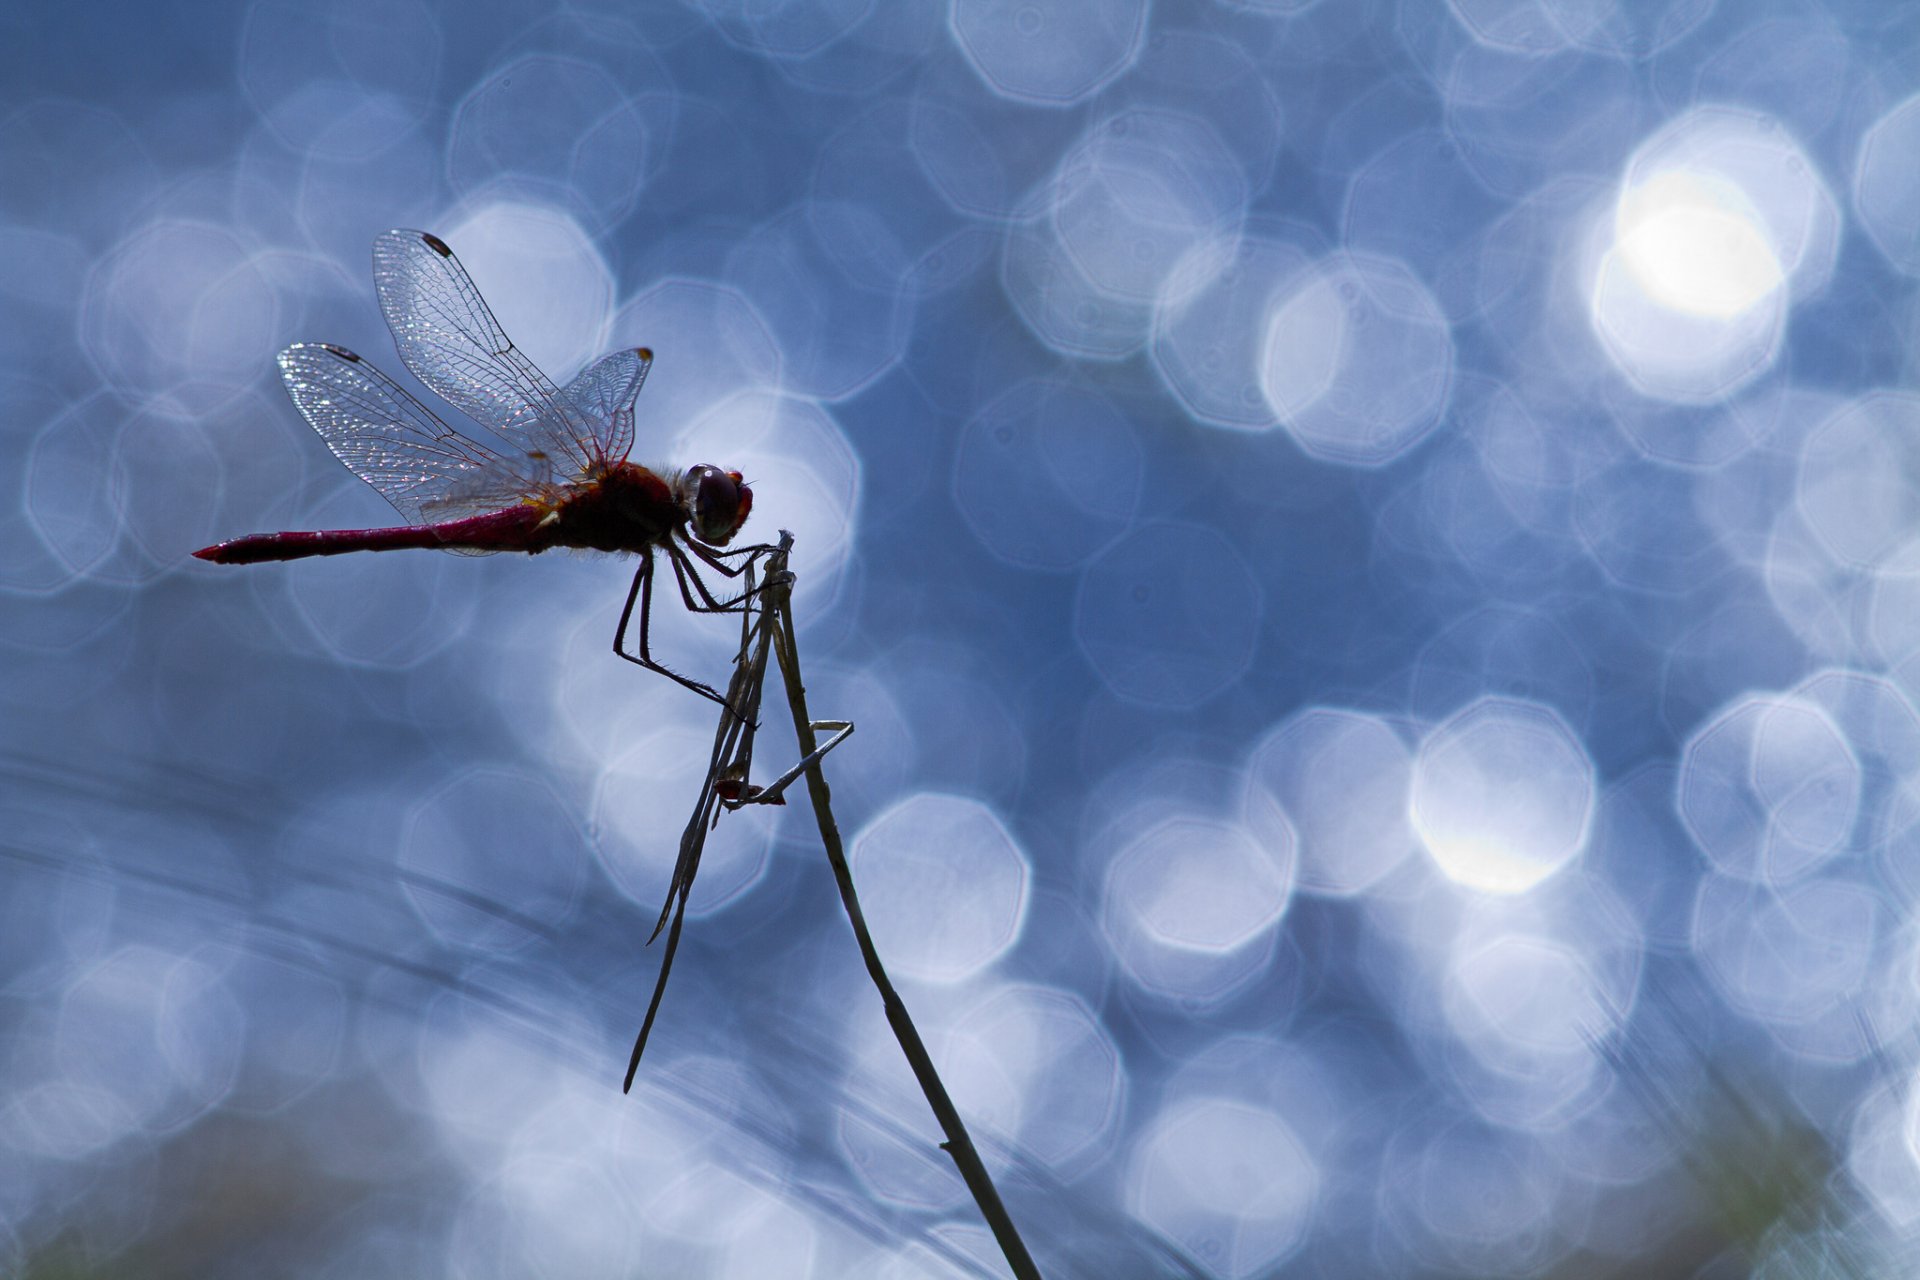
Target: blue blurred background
x=1374, y=548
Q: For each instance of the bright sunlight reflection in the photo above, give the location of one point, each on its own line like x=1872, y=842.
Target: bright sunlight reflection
x=1696, y=245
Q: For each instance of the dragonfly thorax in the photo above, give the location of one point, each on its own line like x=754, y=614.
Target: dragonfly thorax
x=629, y=508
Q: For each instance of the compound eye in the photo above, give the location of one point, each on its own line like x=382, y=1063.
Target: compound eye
x=718, y=503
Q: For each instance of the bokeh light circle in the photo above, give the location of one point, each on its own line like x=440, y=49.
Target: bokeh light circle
x=945, y=886
x=1358, y=359
x=1502, y=795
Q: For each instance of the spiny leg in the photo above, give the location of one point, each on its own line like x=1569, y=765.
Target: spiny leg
x=684, y=573
x=690, y=582
x=717, y=559
x=642, y=589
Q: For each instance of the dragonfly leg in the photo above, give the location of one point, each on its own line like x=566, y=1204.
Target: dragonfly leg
x=642, y=591
x=718, y=558
x=749, y=556
x=690, y=580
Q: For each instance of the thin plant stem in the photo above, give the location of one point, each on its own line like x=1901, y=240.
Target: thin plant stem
x=958, y=1145
x=732, y=752
x=770, y=625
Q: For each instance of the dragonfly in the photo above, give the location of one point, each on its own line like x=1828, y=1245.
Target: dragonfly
x=558, y=475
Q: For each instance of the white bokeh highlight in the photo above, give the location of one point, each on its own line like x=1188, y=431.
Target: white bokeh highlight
x=1228, y=1183
x=1769, y=788
x=1338, y=780
x=1502, y=795
x=1193, y=903
x=944, y=886
x=1720, y=223
x=1358, y=359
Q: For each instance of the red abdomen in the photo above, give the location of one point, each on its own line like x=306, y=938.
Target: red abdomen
x=514, y=529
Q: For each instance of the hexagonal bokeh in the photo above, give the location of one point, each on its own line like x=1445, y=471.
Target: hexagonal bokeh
x=1358, y=359
x=1340, y=780
x=1168, y=615
x=1531, y=994
x=1048, y=474
x=1061, y=306
x=1798, y=959
x=1857, y=470
x=562, y=126
x=1502, y=795
x=1230, y=891
x=1525, y=28
x=1886, y=196
x=944, y=886
x=1192, y=905
x=1139, y=190
x=637, y=844
x=1769, y=788
x=1479, y=1205
x=1207, y=331
x=492, y=827
x=1226, y=1182
x=708, y=344
x=178, y=308
x=921, y=242
x=1141, y=187
x=544, y=278
x=836, y=337
x=1534, y=990
x=1052, y=52
x=142, y=1043
x=1035, y=1065
x=1720, y=223
x=286, y=48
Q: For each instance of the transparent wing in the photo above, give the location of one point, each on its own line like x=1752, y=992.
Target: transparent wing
x=450, y=340
x=604, y=393
x=426, y=469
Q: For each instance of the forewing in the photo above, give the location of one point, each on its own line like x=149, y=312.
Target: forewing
x=426, y=469
x=603, y=396
x=449, y=339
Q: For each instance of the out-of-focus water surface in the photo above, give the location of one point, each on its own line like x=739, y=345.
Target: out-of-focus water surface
x=1373, y=545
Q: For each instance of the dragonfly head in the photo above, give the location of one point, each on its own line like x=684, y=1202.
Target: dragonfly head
x=717, y=503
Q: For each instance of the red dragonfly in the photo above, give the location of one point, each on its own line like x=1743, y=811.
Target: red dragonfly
x=559, y=476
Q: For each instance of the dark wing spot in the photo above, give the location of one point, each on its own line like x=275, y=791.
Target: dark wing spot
x=342, y=352
x=645, y=353
x=436, y=244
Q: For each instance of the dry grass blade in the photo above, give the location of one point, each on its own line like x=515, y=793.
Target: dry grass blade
x=770, y=623
x=731, y=758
